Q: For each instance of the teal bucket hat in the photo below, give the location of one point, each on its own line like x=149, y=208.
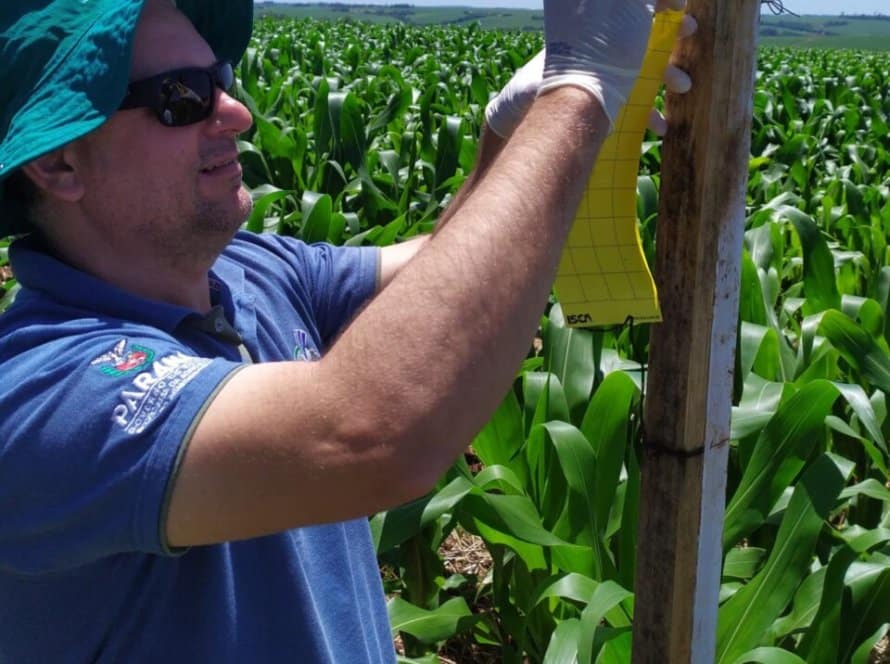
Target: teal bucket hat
x=64, y=68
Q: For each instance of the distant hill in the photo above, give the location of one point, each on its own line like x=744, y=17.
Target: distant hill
x=866, y=32
x=845, y=31
x=494, y=19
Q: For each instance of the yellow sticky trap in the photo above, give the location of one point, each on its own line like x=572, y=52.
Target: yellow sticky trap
x=603, y=276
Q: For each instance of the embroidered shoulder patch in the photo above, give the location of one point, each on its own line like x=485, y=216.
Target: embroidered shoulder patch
x=123, y=360
x=151, y=392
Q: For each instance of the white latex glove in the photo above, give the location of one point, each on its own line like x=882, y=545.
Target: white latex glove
x=597, y=45
x=504, y=112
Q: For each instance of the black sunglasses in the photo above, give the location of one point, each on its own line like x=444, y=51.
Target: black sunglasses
x=182, y=96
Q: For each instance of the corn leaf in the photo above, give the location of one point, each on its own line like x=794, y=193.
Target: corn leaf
x=769, y=656
x=569, y=356
x=563, y=646
x=746, y=616
x=779, y=454
x=858, y=348
x=606, y=425
x=429, y=626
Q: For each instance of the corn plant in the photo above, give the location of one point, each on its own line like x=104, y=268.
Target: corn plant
x=8, y=285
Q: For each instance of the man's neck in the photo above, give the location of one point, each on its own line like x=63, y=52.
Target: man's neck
x=141, y=270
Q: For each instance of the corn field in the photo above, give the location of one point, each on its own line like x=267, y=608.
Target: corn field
x=363, y=134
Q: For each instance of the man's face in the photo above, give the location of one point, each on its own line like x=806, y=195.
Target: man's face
x=175, y=189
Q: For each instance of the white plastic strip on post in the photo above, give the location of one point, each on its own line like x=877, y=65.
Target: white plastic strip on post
x=719, y=403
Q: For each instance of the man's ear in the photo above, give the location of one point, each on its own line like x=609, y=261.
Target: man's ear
x=55, y=177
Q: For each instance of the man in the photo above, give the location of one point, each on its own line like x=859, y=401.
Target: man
x=172, y=488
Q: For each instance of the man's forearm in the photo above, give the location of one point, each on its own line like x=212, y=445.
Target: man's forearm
x=473, y=296
x=490, y=146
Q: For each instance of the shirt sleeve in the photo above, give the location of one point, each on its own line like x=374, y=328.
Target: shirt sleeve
x=91, y=431
x=347, y=277
x=335, y=282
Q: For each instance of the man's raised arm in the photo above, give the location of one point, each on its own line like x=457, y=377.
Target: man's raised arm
x=433, y=354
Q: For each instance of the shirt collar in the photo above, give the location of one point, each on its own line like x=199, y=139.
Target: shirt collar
x=37, y=269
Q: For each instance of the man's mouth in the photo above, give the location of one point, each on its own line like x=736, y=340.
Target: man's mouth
x=221, y=165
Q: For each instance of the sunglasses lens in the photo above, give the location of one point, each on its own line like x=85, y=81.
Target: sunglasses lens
x=225, y=76
x=186, y=99
x=180, y=97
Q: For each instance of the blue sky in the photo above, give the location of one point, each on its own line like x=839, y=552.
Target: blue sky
x=798, y=6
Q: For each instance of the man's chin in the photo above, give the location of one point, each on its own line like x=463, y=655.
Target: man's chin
x=246, y=201
x=226, y=218
x=243, y=206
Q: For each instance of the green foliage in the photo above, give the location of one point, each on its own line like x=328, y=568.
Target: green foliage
x=8, y=285
x=364, y=133
x=863, y=32
x=365, y=144
x=555, y=493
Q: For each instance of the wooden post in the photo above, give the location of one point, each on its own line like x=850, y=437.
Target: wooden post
x=689, y=395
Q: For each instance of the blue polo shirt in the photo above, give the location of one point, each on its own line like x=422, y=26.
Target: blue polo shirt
x=99, y=391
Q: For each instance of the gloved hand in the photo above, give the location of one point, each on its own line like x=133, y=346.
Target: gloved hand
x=597, y=45
x=504, y=112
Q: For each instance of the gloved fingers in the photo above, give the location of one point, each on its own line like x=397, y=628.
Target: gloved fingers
x=504, y=112
x=677, y=80
x=687, y=27
x=657, y=124
x=530, y=74
x=537, y=62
